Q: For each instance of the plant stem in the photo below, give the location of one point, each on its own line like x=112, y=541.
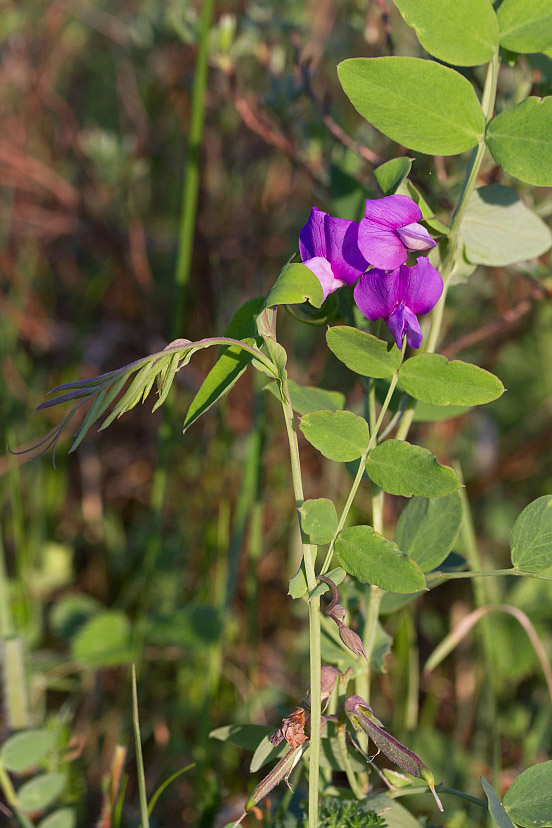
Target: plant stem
x=190, y=189
x=309, y=554
x=144, y=815
x=346, y=759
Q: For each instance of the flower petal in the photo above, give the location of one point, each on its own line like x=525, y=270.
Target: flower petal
x=323, y=272
x=413, y=332
x=342, y=249
x=381, y=246
x=312, y=238
x=392, y=211
x=421, y=286
x=376, y=293
x=415, y=237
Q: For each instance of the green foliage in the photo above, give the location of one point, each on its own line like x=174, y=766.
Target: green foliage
x=373, y=559
x=246, y=736
x=531, y=536
x=26, y=749
x=427, y=528
x=307, y=398
x=338, y=435
x=528, y=800
x=104, y=640
x=440, y=113
x=295, y=284
x=496, y=809
x=391, y=175
x=464, y=34
x=61, y=818
x=520, y=140
x=363, y=353
x=319, y=519
x=40, y=792
x=400, y=468
x=346, y=813
x=498, y=229
x=432, y=378
x=525, y=25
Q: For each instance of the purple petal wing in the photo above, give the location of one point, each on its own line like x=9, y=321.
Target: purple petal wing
x=376, y=293
x=421, y=286
x=346, y=259
x=312, y=238
x=402, y=321
x=323, y=272
x=381, y=246
x=415, y=237
x=392, y=211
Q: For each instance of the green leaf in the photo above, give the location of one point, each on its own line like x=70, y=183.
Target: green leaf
x=298, y=584
x=104, y=641
x=428, y=413
x=426, y=529
x=338, y=435
x=498, y=228
x=62, y=818
x=305, y=398
x=531, y=536
x=231, y=362
x=319, y=519
x=394, y=814
x=520, y=140
x=525, y=25
x=496, y=809
x=432, y=378
x=41, y=791
x=295, y=284
x=363, y=353
x=418, y=103
x=464, y=34
x=26, y=749
x=400, y=468
x=246, y=736
x=391, y=175
x=336, y=575
x=375, y=560
x=528, y=800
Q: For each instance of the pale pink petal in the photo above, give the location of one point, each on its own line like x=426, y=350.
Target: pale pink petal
x=375, y=294
x=323, y=271
x=415, y=237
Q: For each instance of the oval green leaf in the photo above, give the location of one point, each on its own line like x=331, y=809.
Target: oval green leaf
x=104, y=641
x=373, y=559
x=464, y=34
x=363, y=353
x=41, y=791
x=427, y=529
x=391, y=175
x=338, y=435
x=528, y=800
x=62, y=818
x=525, y=25
x=433, y=379
x=531, y=536
x=319, y=519
x=499, y=229
x=295, y=284
x=418, y=103
x=400, y=468
x=26, y=749
x=520, y=140
x=306, y=398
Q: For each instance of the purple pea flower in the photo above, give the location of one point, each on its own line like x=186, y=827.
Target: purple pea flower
x=390, y=229
x=398, y=296
x=329, y=248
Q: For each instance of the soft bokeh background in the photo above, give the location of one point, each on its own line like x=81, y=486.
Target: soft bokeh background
x=172, y=550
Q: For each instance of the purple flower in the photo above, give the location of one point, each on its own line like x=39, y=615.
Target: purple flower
x=329, y=248
x=390, y=229
x=398, y=296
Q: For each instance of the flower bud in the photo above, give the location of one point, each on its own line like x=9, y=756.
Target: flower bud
x=351, y=640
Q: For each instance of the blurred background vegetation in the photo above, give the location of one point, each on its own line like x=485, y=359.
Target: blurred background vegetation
x=175, y=551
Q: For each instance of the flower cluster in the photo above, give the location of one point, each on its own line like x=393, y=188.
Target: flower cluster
x=373, y=253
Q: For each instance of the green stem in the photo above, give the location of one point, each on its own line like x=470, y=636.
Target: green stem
x=346, y=760
x=190, y=188
x=144, y=814
x=309, y=554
